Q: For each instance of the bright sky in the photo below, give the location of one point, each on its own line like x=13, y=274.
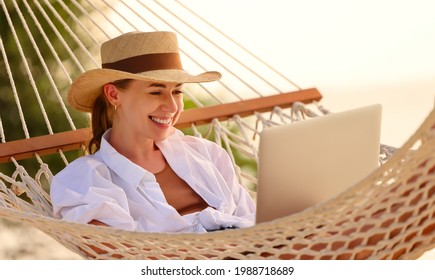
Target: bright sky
x=355, y=52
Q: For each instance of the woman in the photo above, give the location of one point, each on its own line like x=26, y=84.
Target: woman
x=142, y=173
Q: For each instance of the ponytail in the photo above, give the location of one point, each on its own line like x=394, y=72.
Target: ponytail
x=101, y=120
x=102, y=117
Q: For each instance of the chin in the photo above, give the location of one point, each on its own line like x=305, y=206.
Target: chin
x=164, y=136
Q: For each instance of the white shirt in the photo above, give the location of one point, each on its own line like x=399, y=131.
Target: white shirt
x=108, y=187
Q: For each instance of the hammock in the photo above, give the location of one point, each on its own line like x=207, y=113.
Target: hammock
x=388, y=215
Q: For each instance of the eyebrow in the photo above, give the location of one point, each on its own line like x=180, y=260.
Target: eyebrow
x=163, y=85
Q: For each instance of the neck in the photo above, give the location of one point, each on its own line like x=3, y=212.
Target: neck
x=139, y=150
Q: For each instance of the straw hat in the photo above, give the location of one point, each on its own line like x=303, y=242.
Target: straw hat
x=148, y=56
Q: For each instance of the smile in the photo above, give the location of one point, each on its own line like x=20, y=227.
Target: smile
x=161, y=120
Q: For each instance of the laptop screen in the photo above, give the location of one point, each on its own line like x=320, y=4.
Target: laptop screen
x=308, y=162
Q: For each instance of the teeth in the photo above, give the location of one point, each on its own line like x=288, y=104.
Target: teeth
x=162, y=121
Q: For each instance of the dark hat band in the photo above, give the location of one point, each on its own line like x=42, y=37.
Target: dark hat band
x=146, y=62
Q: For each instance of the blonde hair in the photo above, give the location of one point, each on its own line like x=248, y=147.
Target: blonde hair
x=102, y=116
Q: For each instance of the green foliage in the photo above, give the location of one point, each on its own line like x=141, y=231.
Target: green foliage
x=28, y=84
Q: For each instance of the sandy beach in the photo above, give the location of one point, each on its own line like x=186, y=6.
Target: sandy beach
x=19, y=242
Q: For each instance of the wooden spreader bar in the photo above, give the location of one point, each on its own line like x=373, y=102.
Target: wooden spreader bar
x=73, y=140
x=245, y=108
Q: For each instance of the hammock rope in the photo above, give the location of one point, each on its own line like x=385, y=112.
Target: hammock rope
x=47, y=71
x=2, y=133
x=15, y=93
x=71, y=32
x=388, y=215
x=191, y=58
x=65, y=45
x=244, y=49
x=238, y=61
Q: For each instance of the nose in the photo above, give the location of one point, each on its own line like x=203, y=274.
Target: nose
x=170, y=104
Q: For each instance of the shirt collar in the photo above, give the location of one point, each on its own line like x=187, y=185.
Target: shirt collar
x=122, y=166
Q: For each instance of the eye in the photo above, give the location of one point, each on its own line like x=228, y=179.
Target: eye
x=155, y=93
x=177, y=92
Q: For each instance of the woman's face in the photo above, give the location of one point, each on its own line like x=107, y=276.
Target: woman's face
x=149, y=109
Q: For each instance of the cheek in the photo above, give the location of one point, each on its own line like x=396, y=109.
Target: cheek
x=180, y=106
x=180, y=103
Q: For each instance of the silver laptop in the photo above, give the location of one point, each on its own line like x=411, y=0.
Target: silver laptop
x=308, y=162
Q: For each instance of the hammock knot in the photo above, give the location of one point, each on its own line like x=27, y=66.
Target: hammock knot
x=45, y=168
x=21, y=170
x=18, y=189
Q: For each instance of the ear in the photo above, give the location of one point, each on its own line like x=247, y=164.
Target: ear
x=112, y=94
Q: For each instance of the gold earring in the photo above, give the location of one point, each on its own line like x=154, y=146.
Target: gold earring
x=116, y=107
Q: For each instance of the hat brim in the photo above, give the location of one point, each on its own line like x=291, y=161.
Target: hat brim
x=86, y=88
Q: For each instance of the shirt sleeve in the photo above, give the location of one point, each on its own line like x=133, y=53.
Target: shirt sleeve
x=83, y=192
x=245, y=206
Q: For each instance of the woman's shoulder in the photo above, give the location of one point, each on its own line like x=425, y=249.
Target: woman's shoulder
x=80, y=167
x=88, y=161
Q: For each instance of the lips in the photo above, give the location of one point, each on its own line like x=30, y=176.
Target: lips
x=158, y=120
